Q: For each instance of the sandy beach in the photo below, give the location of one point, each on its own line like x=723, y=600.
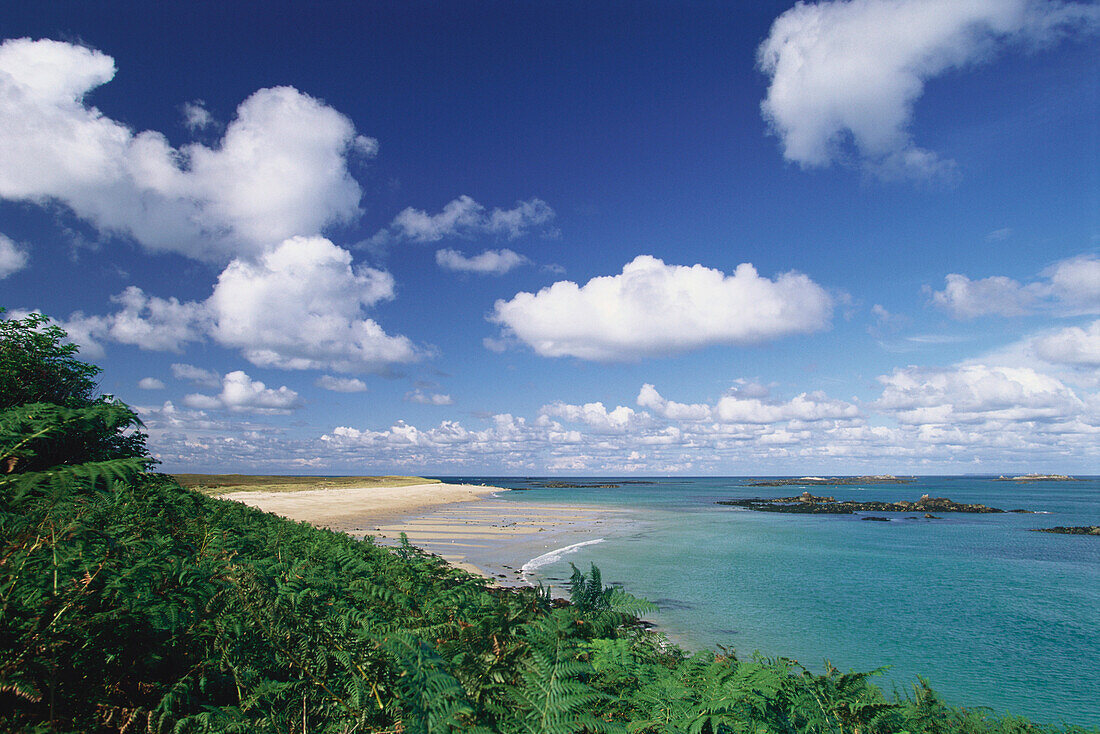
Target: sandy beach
x=463, y=523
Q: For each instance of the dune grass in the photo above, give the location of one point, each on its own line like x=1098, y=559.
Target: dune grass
x=217, y=484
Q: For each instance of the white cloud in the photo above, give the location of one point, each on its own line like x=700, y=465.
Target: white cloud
x=1012, y=418
x=596, y=416
x=13, y=258
x=489, y=262
x=1071, y=346
x=464, y=217
x=648, y=397
x=428, y=398
x=300, y=307
x=748, y=406
x=853, y=71
x=195, y=115
x=197, y=375
x=280, y=170
x=974, y=393
x=803, y=407
x=148, y=322
x=653, y=309
x=341, y=384
x=1075, y=283
x=1069, y=287
x=964, y=298
x=150, y=383
x=241, y=394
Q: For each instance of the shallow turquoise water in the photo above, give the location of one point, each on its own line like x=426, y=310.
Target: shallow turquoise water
x=990, y=614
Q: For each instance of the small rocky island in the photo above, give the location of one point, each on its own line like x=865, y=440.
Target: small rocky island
x=1038, y=478
x=1081, y=530
x=807, y=503
x=571, y=485
x=831, y=481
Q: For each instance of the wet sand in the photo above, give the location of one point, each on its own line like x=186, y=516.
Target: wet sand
x=463, y=523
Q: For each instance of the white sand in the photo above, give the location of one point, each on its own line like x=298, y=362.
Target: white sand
x=451, y=520
x=352, y=508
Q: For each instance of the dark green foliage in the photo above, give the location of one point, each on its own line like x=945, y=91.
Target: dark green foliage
x=36, y=367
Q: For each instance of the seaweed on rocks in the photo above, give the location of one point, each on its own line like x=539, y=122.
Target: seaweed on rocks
x=1079, y=530
x=807, y=503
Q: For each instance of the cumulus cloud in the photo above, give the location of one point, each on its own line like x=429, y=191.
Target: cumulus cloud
x=653, y=309
x=428, y=398
x=490, y=262
x=596, y=416
x=1071, y=346
x=148, y=322
x=13, y=258
x=964, y=298
x=851, y=72
x=300, y=307
x=341, y=384
x=648, y=397
x=1069, y=287
x=939, y=419
x=150, y=383
x=279, y=170
x=241, y=394
x=464, y=217
x=973, y=393
x=1075, y=284
x=749, y=406
x=197, y=375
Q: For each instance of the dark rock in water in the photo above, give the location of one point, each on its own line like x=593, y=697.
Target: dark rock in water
x=570, y=485
x=930, y=516
x=807, y=503
x=666, y=603
x=832, y=481
x=1080, y=530
x=1023, y=512
x=879, y=519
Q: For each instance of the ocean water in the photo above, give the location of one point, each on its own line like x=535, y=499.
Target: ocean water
x=989, y=613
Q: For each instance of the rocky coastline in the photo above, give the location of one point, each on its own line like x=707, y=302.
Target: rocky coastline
x=807, y=503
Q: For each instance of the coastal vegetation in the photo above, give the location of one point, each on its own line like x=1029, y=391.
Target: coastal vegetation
x=216, y=484
x=129, y=602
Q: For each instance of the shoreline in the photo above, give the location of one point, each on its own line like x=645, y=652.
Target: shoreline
x=460, y=523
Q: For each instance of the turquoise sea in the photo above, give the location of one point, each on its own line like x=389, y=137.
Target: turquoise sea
x=989, y=613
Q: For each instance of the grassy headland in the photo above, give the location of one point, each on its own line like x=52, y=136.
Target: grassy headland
x=214, y=484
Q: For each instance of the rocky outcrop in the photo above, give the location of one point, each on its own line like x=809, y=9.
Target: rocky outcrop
x=1080, y=530
x=807, y=503
x=831, y=481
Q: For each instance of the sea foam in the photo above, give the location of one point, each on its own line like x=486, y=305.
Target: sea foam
x=552, y=557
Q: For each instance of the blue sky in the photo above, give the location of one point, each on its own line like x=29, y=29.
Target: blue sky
x=573, y=238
